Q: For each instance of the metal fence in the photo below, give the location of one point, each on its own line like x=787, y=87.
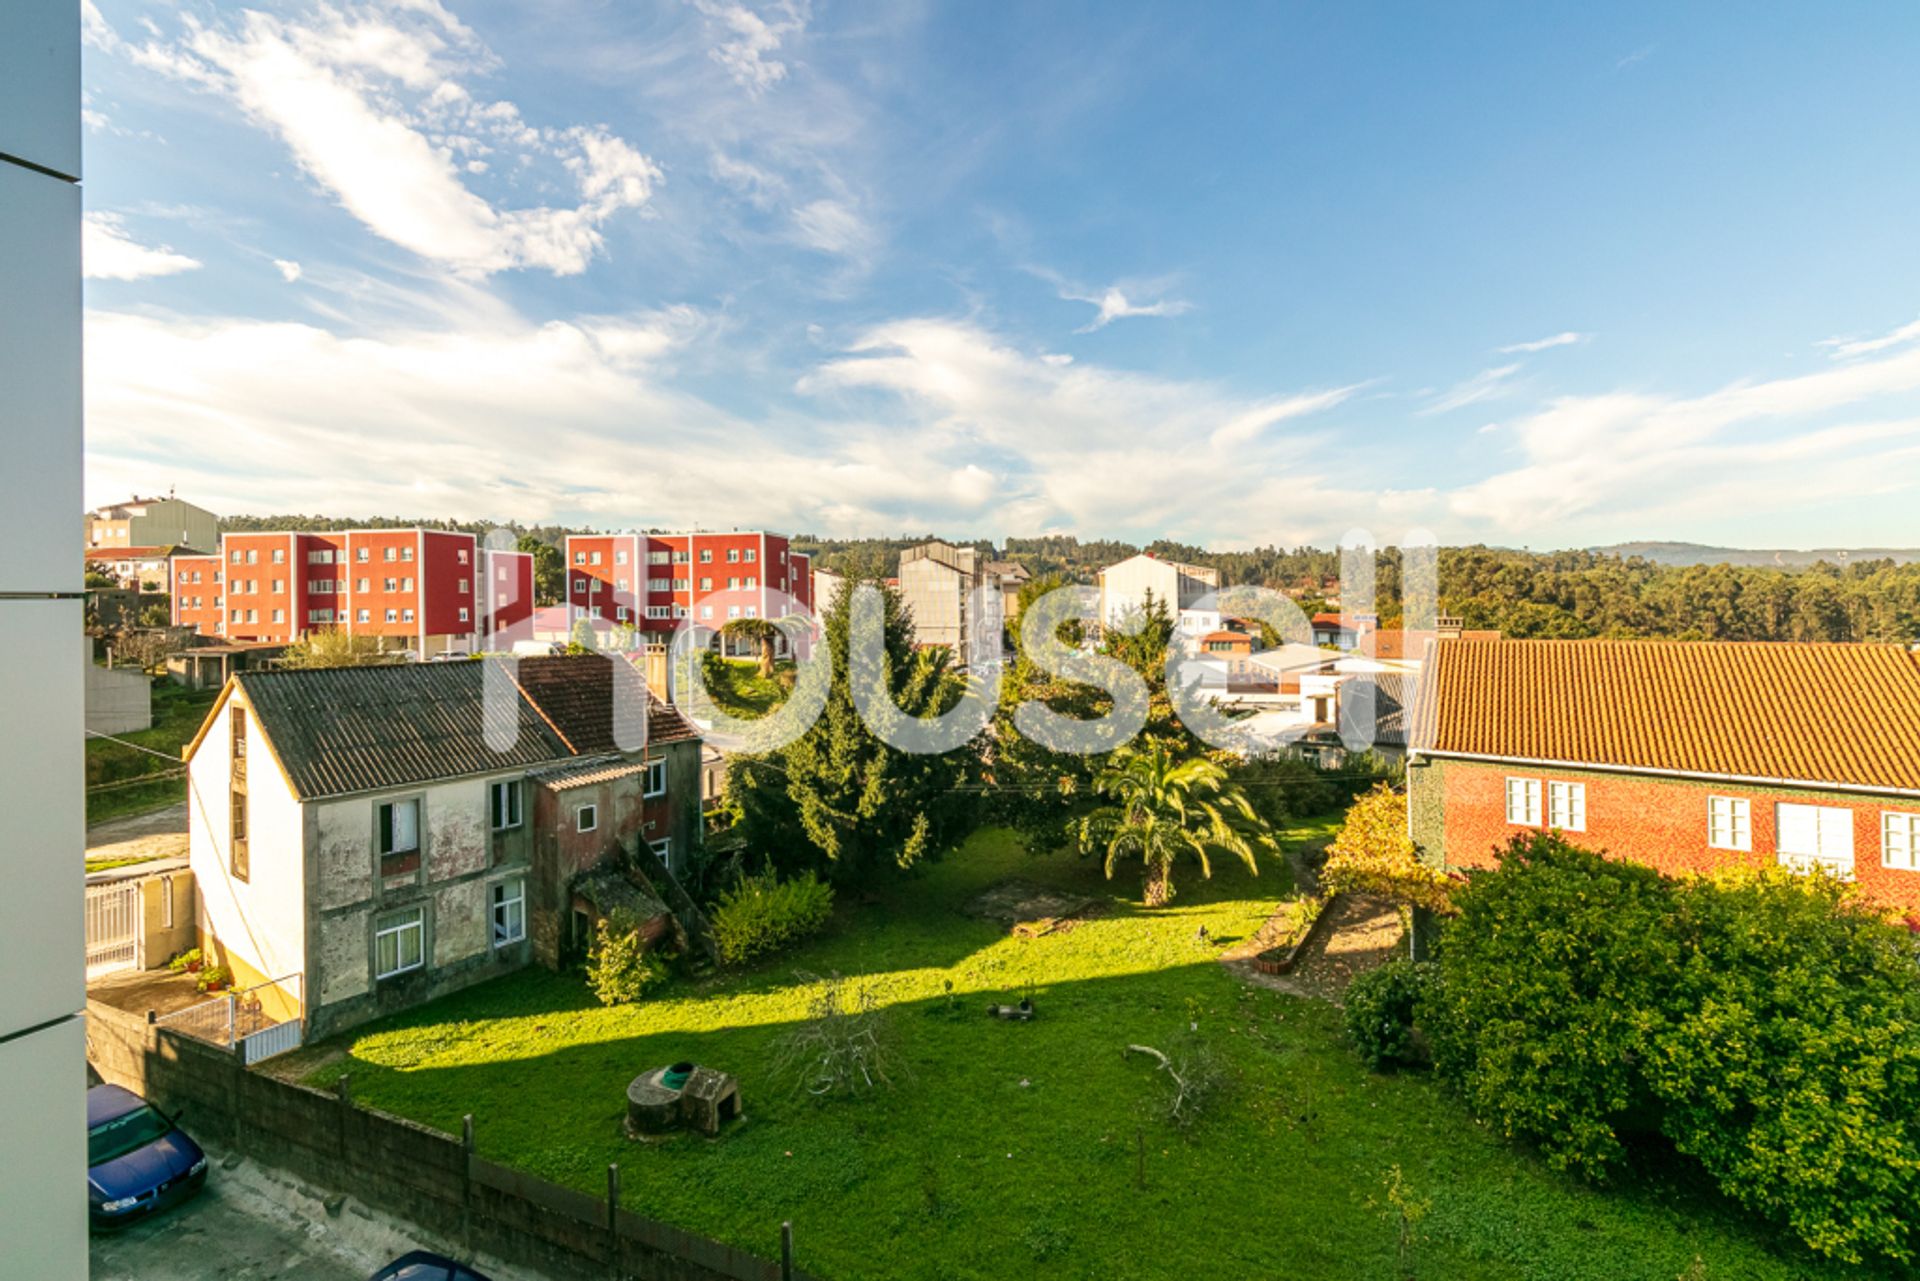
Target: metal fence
x=242, y=1020
x=112, y=920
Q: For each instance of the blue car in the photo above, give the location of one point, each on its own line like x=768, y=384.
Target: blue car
x=423, y=1265
x=138, y=1161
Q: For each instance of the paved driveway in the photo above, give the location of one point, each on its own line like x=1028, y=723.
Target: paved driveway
x=161, y=833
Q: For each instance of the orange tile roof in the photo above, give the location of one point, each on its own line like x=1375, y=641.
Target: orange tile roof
x=1807, y=713
x=1395, y=642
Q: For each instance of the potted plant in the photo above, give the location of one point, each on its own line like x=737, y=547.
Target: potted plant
x=214, y=978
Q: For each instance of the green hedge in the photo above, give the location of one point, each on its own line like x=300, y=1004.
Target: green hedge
x=1767, y=1024
x=1380, y=1011
x=763, y=915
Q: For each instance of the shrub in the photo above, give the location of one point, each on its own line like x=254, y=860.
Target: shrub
x=620, y=965
x=1372, y=854
x=214, y=978
x=763, y=915
x=186, y=960
x=1380, y=1006
x=1545, y=981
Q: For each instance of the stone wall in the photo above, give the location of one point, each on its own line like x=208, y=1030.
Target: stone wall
x=462, y=1203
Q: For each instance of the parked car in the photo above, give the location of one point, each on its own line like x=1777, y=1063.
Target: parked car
x=138, y=1160
x=424, y=1265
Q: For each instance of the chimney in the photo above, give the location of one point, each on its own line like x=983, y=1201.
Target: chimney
x=653, y=665
x=1447, y=627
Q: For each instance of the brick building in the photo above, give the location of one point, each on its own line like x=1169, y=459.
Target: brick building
x=1686, y=756
x=652, y=581
x=414, y=589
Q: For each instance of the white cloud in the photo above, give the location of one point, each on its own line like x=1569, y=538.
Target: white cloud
x=747, y=53
x=833, y=227
x=1488, y=384
x=289, y=270
x=1113, y=304
x=1566, y=339
x=109, y=253
x=1850, y=348
x=370, y=104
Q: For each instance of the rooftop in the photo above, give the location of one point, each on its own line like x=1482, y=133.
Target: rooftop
x=1833, y=714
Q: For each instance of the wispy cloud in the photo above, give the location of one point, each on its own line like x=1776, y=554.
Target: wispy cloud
x=1635, y=58
x=1114, y=305
x=1488, y=384
x=1567, y=339
x=289, y=270
x=371, y=104
x=109, y=253
x=752, y=40
x=1850, y=348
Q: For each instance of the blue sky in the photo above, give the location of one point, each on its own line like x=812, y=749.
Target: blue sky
x=1532, y=275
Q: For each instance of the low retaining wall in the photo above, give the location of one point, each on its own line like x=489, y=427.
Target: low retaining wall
x=435, y=1180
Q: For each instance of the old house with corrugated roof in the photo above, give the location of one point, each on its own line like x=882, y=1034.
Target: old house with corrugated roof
x=369, y=838
x=1687, y=756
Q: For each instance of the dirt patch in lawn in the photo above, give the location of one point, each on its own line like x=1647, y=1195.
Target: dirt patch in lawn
x=1364, y=933
x=1029, y=910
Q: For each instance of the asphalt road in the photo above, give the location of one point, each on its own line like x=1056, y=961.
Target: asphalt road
x=221, y=1235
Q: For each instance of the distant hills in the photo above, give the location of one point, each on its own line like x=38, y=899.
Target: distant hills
x=1776, y=558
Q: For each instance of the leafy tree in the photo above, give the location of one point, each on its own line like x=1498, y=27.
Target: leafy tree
x=620, y=965
x=146, y=650
x=1545, y=977
x=583, y=639
x=1372, y=854
x=840, y=799
x=332, y=647
x=549, y=569
x=1161, y=808
x=755, y=631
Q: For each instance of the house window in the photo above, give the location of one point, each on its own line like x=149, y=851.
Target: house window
x=1729, y=823
x=399, y=836
x=509, y=912
x=504, y=799
x=1523, y=801
x=1900, y=841
x=657, y=778
x=663, y=850
x=1567, y=806
x=586, y=818
x=399, y=942
x=237, y=796
x=1806, y=835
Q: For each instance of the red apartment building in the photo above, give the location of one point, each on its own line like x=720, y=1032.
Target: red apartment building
x=654, y=580
x=415, y=589
x=1686, y=756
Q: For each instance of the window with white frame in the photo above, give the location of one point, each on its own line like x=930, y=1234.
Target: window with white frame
x=663, y=850
x=733, y=611
x=659, y=584
x=1567, y=806
x=399, y=942
x=504, y=801
x=579, y=558
x=657, y=778
x=1729, y=823
x=706, y=611
x=706, y=555
x=509, y=912
x=363, y=616
x=1814, y=835
x=733, y=555
x=406, y=616
x=619, y=558
x=360, y=554
x=733, y=582
x=1523, y=801
x=389, y=554
x=406, y=553
x=680, y=611
x=752, y=555
x=399, y=825
x=464, y=612
x=620, y=614
x=586, y=818
x=593, y=558
x=579, y=584
x=659, y=558
x=1900, y=841
x=657, y=611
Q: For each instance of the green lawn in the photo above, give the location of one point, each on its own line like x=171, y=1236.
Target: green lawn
x=740, y=689
x=1014, y=1148
x=119, y=781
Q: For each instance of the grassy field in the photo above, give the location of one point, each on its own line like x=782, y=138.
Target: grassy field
x=1008, y=1149
x=120, y=779
x=740, y=689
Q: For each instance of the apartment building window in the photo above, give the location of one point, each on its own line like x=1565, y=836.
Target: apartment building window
x=279, y=555
x=362, y=584
x=398, y=831
x=461, y=555
x=323, y=587
x=752, y=554
x=509, y=912
x=1523, y=801
x=253, y=616
x=706, y=555
x=406, y=553
x=389, y=554
x=464, y=614
x=364, y=616
x=620, y=614
x=399, y=942
x=706, y=583
x=680, y=611
x=504, y=800
x=360, y=554
x=733, y=582
x=753, y=611
x=658, y=558
x=253, y=556
x=733, y=555
x=586, y=818
x=237, y=796
x=406, y=584
x=236, y=556
x=679, y=558
x=752, y=582
x=1900, y=841
x=620, y=584
x=733, y=611
x=406, y=616
x=663, y=850
x=657, y=611
x=594, y=559
x=579, y=558
x=1567, y=806
x=619, y=558
x=1809, y=835
x=706, y=611
x=320, y=557
x=682, y=584
x=657, y=778
x=1729, y=823
x=466, y=585
x=319, y=616
x=393, y=616
x=236, y=616
x=659, y=584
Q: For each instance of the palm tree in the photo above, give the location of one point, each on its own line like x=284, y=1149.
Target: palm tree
x=755, y=631
x=1163, y=808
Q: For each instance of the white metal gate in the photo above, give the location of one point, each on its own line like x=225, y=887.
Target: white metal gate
x=113, y=926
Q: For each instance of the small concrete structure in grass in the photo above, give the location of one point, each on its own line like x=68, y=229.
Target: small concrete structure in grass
x=681, y=1096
